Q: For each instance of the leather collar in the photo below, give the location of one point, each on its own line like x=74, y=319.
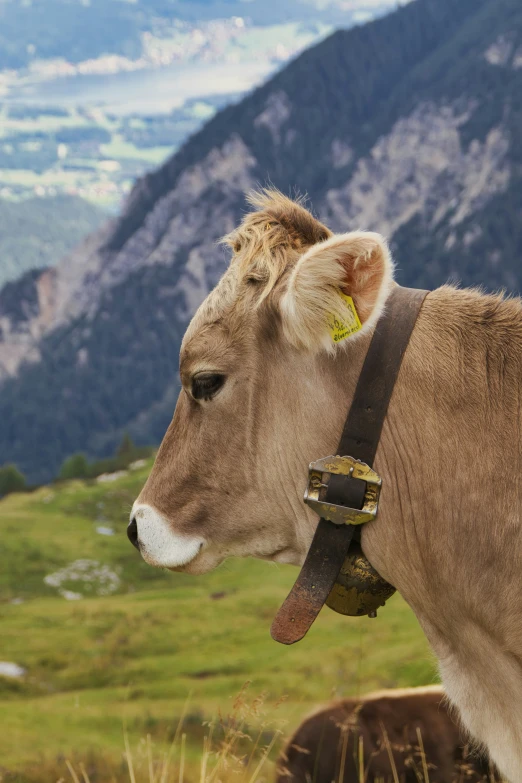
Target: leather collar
x=359, y=439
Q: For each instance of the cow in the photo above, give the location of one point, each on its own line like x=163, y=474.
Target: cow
x=265, y=391
x=406, y=734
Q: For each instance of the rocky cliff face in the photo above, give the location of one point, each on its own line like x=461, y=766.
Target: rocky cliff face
x=410, y=125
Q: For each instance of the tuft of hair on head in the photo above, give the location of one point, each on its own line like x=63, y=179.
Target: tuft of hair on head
x=357, y=264
x=272, y=237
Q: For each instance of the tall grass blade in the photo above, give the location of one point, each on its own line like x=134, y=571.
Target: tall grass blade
x=128, y=757
x=264, y=758
x=168, y=757
x=362, y=772
x=85, y=776
x=343, y=755
x=182, y=758
x=423, y=757
x=207, y=747
x=390, y=753
x=149, y=760
x=254, y=749
x=72, y=771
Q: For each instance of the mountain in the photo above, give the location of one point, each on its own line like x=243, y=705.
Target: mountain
x=34, y=233
x=410, y=125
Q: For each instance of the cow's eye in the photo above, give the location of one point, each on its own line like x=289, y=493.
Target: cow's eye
x=206, y=384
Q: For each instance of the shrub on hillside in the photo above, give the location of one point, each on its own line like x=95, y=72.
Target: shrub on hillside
x=120, y=462
x=126, y=449
x=74, y=467
x=78, y=467
x=11, y=480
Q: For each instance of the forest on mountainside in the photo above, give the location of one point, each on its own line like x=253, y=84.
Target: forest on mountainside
x=33, y=233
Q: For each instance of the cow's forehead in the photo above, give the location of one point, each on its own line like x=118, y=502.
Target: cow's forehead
x=209, y=335
x=210, y=349
x=265, y=246
x=216, y=308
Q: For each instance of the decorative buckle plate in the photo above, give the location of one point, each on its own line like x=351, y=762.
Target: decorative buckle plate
x=342, y=466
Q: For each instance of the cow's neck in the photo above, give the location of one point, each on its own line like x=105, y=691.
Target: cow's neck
x=449, y=530
x=449, y=522
x=449, y=456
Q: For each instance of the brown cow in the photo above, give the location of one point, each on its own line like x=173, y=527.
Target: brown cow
x=407, y=732
x=266, y=391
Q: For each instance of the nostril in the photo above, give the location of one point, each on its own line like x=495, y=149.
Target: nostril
x=132, y=533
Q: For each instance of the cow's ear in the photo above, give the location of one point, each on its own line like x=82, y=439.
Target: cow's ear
x=337, y=290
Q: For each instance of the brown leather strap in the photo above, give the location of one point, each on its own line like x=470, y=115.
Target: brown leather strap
x=359, y=439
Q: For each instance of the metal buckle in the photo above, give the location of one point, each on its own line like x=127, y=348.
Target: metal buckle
x=342, y=466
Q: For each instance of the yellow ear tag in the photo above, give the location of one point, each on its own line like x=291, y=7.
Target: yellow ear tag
x=340, y=330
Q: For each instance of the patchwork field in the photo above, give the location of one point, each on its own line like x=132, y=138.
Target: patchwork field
x=113, y=651
x=89, y=152
x=63, y=170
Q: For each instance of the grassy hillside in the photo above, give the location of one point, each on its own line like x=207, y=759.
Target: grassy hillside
x=132, y=657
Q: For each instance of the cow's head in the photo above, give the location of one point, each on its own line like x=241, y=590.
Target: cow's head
x=265, y=391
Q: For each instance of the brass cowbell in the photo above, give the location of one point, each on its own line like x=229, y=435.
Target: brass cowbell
x=359, y=589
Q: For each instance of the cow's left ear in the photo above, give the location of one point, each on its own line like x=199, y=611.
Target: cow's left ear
x=314, y=311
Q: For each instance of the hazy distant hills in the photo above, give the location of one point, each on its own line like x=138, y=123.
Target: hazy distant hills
x=35, y=232
x=411, y=125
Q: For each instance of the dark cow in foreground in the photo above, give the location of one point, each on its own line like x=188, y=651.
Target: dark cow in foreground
x=355, y=740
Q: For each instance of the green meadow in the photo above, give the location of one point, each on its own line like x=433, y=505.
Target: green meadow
x=121, y=659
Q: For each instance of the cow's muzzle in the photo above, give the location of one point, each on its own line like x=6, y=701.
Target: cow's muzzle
x=157, y=541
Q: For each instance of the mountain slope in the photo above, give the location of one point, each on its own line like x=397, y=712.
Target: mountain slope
x=34, y=233
x=410, y=125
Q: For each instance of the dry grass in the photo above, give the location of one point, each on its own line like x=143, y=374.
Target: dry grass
x=231, y=753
